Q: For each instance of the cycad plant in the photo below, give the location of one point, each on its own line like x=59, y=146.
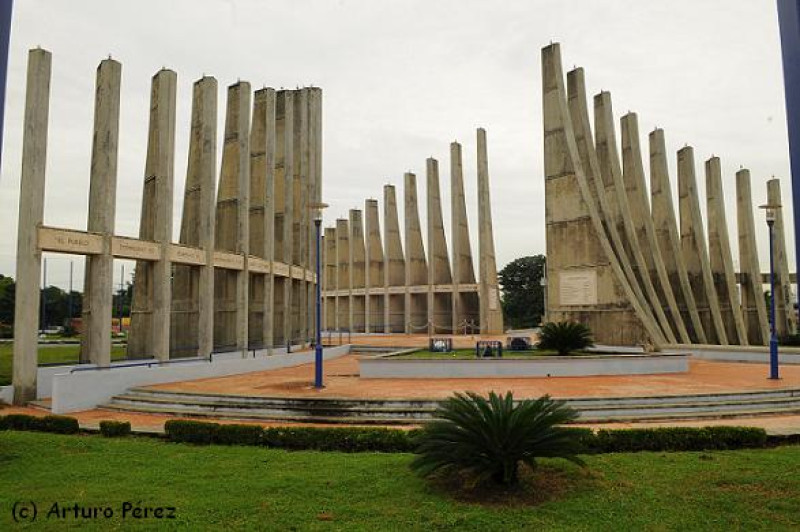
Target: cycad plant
x=565, y=336
x=490, y=437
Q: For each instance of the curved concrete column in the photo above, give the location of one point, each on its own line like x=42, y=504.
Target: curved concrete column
x=440, y=306
x=720, y=260
x=465, y=305
x=695, y=252
x=785, y=315
x=668, y=237
x=374, y=277
x=357, y=272
x=490, y=311
x=330, y=280
x=416, y=319
x=343, y=315
x=394, y=268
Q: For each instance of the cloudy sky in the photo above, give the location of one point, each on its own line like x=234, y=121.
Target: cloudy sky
x=401, y=80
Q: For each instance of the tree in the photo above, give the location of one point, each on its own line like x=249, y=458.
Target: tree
x=7, y=293
x=523, y=297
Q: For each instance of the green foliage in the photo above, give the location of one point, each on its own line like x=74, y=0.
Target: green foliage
x=238, y=434
x=55, y=424
x=115, y=429
x=489, y=438
x=198, y=432
x=790, y=340
x=676, y=439
x=564, y=337
x=523, y=296
x=342, y=439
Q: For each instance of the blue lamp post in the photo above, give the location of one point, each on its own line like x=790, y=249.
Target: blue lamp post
x=772, y=210
x=317, y=210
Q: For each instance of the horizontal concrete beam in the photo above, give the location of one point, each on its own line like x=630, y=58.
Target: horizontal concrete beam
x=416, y=289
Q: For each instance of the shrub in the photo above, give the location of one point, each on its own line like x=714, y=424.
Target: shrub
x=490, y=437
x=198, y=432
x=677, y=439
x=238, y=435
x=790, y=340
x=56, y=424
x=115, y=429
x=344, y=439
x=565, y=336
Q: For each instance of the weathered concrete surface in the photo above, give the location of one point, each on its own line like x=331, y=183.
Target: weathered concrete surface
x=608, y=155
x=150, y=308
x=330, y=280
x=374, y=280
x=98, y=276
x=668, y=237
x=31, y=215
x=720, y=260
x=466, y=306
x=192, y=321
x=695, y=252
x=633, y=176
x=284, y=213
x=343, y=276
x=416, y=318
x=571, y=214
x=440, y=305
x=300, y=223
x=357, y=271
x=394, y=268
x=785, y=316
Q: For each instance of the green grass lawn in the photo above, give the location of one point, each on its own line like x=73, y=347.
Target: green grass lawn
x=47, y=354
x=462, y=354
x=256, y=488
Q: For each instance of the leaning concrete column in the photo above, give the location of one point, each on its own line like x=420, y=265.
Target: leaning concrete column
x=633, y=176
x=394, y=268
x=785, y=317
x=300, y=227
x=98, y=277
x=465, y=306
x=416, y=264
x=31, y=216
x=720, y=260
x=331, y=285
x=668, y=237
x=284, y=129
x=374, y=272
x=753, y=304
x=357, y=272
x=440, y=311
x=491, y=315
x=695, y=252
x=343, y=315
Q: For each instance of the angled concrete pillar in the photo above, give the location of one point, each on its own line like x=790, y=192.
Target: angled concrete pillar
x=233, y=222
x=314, y=188
x=583, y=284
x=374, y=278
x=193, y=287
x=262, y=216
x=753, y=304
x=357, y=271
x=785, y=316
x=98, y=276
x=466, y=306
x=416, y=320
x=31, y=216
x=330, y=278
x=394, y=268
x=668, y=237
x=633, y=176
x=491, y=314
x=300, y=226
x=284, y=213
x=343, y=315
x=150, y=309
x=695, y=252
x=440, y=309
x=719, y=255
x=608, y=155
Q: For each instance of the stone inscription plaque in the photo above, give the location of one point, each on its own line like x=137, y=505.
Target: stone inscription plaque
x=577, y=287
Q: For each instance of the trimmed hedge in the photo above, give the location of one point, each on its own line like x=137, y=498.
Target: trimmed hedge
x=56, y=424
x=677, y=439
x=115, y=429
x=343, y=439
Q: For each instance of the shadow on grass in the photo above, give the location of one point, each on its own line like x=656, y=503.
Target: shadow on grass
x=546, y=483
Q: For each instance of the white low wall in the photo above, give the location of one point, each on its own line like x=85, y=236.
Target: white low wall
x=7, y=394
x=738, y=353
x=82, y=390
x=551, y=366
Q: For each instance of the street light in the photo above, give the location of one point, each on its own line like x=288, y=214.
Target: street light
x=316, y=208
x=772, y=212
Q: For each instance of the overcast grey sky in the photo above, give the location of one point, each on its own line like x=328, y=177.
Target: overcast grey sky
x=401, y=80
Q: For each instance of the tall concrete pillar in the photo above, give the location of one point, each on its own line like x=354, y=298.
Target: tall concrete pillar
x=375, y=294
x=98, y=277
x=193, y=287
x=491, y=314
x=785, y=316
x=582, y=284
x=695, y=252
x=343, y=315
x=150, y=309
x=357, y=272
x=394, y=268
x=633, y=176
x=31, y=216
x=300, y=225
x=753, y=305
x=330, y=277
x=608, y=155
x=466, y=310
x=284, y=213
x=720, y=260
x=262, y=216
x=668, y=237
x=416, y=264
x=233, y=222
x=440, y=307
x=315, y=187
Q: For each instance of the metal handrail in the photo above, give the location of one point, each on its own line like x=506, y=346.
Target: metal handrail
x=149, y=364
